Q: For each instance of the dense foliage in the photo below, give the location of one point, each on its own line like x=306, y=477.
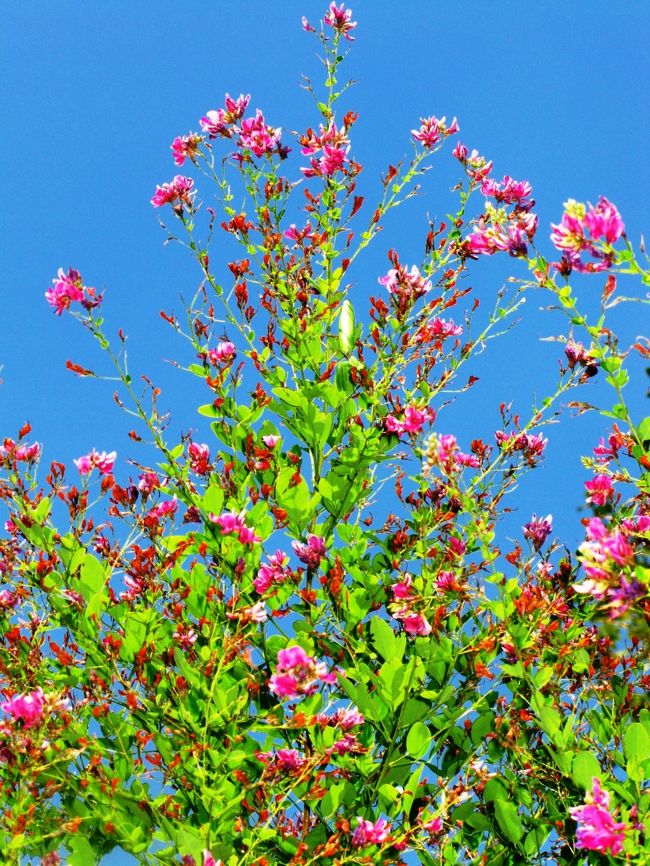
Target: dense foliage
x=306, y=641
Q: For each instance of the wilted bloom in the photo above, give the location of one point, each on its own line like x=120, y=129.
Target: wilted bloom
x=339, y=18
x=255, y=135
x=298, y=674
x=597, y=830
x=28, y=708
x=367, y=833
x=600, y=489
x=104, y=462
x=531, y=446
x=185, y=147
x=69, y=288
x=312, y=552
x=232, y=523
x=177, y=192
x=538, y=530
x=432, y=130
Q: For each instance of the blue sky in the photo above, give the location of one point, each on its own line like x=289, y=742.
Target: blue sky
x=95, y=92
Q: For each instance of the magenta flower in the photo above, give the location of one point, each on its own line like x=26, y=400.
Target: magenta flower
x=219, y=122
x=367, y=833
x=312, y=552
x=185, y=147
x=532, y=447
x=208, y=859
x=579, y=231
x=273, y=572
x=255, y=135
x=223, y=354
x=166, y=508
x=509, y=191
x=538, y=530
x=405, y=284
x=177, y=192
x=339, y=17
x=282, y=761
x=148, y=482
x=298, y=674
x=69, y=288
x=271, y=441
x=255, y=613
x=25, y=453
x=597, y=830
x=432, y=130
x=29, y=708
x=232, y=523
x=199, y=458
x=104, y=462
x=402, y=589
x=414, y=624
x=600, y=490
x=412, y=421
x=332, y=160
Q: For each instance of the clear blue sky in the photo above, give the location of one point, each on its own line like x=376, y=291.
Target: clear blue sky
x=94, y=92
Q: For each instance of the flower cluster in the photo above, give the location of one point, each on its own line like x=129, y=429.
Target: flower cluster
x=312, y=552
x=223, y=354
x=178, y=192
x=29, y=708
x=531, y=446
x=597, y=830
x=415, y=624
x=333, y=143
x=199, y=457
x=103, y=461
x=11, y=452
x=339, y=18
x=605, y=556
x=405, y=286
x=442, y=451
x=412, y=420
x=232, y=523
x=587, y=229
x=432, y=130
x=298, y=674
x=274, y=571
x=69, y=288
x=538, y=530
x=367, y=833
x=500, y=231
x=222, y=121
x=185, y=147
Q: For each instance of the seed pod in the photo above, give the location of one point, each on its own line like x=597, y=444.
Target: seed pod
x=346, y=327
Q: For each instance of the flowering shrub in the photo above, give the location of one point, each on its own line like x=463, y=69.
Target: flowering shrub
x=300, y=641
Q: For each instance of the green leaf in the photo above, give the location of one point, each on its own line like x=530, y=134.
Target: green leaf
x=636, y=742
x=83, y=853
x=386, y=641
x=508, y=820
x=583, y=769
x=418, y=740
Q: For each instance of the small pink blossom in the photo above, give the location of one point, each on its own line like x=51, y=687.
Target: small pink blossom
x=414, y=623
x=104, y=462
x=177, y=192
x=402, y=589
x=255, y=135
x=273, y=572
x=255, y=613
x=11, y=452
x=283, y=761
x=333, y=159
x=271, y=441
x=412, y=421
x=208, y=859
x=432, y=130
x=339, y=18
x=405, y=284
x=232, y=523
x=166, y=508
x=199, y=458
x=600, y=490
x=306, y=26
x=585, y=229
x=69, y=288
x=312, y=552
x=347, y=745
x=220, y=122
x=433, y=826
x=223, y=354
x=509, y=191
x=597, y=830
x=185, y=147
x=29, y=708
x=148, y=482
x=538, y=530
x=298, y=674
x=367, y=833
x=185, y=638
x=532, y=446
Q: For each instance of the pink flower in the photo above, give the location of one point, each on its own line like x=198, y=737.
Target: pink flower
x=579, y=231
x=69, y=288
x=255, y=135
x=600, y=490
x=208, y=859
x=223, y=354
x=367, y=833
x=312, y=552
x=167, y=508
x=346, y=745
x=10, y=451
x=432, y=130
x=283, y=761
x=433, y=826
x=414, y=623
x=28, y=708
x=339, y=17
x=509, y=191
x=531, y=446
x=405, y=284
x=438, y=329
x=273, y=572
x=402, y=589
x=219, y=122
x=185, y=147
x=306, y=26
x=255, y=613
x=148, y=482
x=271, y=441
x=538, y=530
x=413, y=420
x=199, y=458
x=597, y=830
x=177, y=192
x=332, y=160
x=298, y=674
x=232, y=523
x=104, y=462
